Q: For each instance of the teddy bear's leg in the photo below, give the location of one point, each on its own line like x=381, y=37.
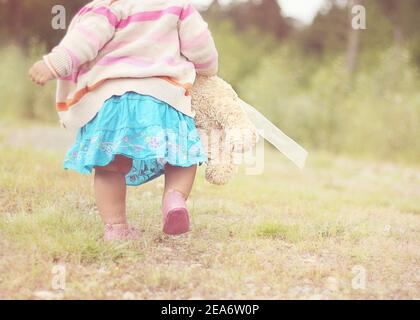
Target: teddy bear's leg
x=221, y=173
x=220, y=168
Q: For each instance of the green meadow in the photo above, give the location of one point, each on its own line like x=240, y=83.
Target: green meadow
x=342, y=228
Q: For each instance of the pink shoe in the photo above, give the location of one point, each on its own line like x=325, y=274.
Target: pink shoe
x=120, y=232
x=175, y=214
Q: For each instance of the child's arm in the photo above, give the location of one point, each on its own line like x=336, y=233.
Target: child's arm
x=80, y=45
x=197, y=43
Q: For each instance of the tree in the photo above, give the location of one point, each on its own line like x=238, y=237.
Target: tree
x=404, y=17
x=353, y=42
x=263, y=14
x=328, y=33
x=24, y=20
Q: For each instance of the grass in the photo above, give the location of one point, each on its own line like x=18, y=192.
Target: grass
x=278, y=235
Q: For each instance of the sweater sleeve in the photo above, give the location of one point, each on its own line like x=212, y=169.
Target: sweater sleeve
x=93, y=29
x=197, y=43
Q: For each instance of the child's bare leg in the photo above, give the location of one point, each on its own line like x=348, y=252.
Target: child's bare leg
x=179, y=179
x=110, y=190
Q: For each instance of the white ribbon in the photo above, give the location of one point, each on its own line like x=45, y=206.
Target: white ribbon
x=291, y=149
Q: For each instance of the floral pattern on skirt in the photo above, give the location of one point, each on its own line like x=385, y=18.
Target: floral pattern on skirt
x=140, y=127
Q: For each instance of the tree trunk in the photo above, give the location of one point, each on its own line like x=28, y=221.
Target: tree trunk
x=15, y=12
x=398, y=36
x=353, y=42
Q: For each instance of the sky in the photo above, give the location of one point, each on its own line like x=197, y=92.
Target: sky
x=303, y=10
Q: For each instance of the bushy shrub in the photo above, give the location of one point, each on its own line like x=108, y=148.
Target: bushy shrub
x=374, y=112
x=20, y=98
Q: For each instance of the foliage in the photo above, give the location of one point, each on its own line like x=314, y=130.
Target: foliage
x=301, y=84
x=20, y=97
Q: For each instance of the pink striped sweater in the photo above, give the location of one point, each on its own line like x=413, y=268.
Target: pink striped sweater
x=152, y=47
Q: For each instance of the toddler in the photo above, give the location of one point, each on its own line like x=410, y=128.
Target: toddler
x=124, y=70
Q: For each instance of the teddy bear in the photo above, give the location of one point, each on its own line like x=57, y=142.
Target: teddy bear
x=225, y=129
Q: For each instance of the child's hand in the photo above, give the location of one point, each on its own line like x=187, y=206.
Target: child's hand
x=40, y=73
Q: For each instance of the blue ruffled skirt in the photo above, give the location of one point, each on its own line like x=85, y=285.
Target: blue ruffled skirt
x=140, y=127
